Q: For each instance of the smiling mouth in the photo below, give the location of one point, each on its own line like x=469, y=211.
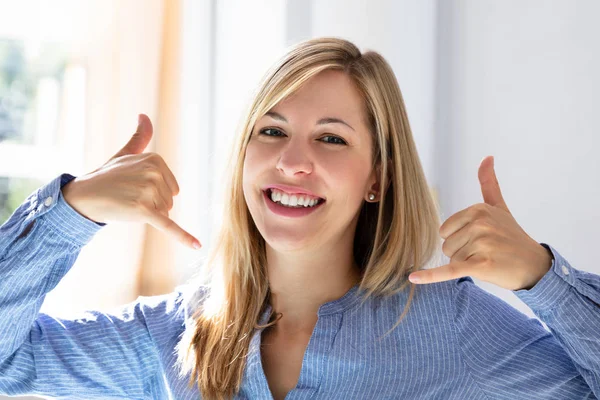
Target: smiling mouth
x=300, y=200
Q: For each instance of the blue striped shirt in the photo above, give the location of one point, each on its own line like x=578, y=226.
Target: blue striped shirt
x=457, y=341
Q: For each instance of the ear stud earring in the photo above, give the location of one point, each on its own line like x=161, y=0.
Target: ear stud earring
x=371, y=196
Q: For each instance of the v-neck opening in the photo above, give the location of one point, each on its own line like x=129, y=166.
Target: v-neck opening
x=329, y=317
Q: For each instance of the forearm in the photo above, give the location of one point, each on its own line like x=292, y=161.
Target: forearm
x=38, y=245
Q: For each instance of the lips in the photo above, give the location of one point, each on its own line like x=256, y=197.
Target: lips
x=289, y=212
x=291, y=190
x=269, y=194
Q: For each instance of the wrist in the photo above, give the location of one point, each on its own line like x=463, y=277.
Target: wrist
x=542, y=266
x=73, y=196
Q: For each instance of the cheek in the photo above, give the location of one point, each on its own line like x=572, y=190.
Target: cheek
x=253, y=162
x=255, y=156
x=259, y=159
x=348, y=174
x=250, y=163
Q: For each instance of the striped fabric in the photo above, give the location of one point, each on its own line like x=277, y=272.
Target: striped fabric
x=457, y=341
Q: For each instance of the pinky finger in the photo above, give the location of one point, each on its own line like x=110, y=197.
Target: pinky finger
x=446, y=272
x=167, y=225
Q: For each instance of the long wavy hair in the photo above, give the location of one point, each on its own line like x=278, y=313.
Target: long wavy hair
x=394, y=237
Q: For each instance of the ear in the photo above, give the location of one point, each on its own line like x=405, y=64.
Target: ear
x=375, y=185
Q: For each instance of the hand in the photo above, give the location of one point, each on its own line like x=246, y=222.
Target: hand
x=131, y=186
x=484, y=241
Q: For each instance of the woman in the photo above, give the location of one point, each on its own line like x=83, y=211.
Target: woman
x=305, y=293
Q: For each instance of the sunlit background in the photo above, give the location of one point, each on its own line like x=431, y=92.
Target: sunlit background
x=514, y=79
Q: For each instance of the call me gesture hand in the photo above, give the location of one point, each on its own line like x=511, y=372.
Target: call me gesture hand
x=131, y=186
x=485, y=241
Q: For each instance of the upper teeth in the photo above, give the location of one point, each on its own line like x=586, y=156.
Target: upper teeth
x=293, y=199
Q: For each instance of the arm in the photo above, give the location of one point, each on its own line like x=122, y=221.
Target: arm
x=568, y=301
x=511, y=356
x=100, y=355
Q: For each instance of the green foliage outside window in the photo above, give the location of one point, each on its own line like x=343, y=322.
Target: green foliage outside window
x=21, y=69
x=13, y=191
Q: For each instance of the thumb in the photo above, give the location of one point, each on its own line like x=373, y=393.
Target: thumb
x=140, y=138
x=490, y=188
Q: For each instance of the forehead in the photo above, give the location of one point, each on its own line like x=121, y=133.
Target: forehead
x=330, y=93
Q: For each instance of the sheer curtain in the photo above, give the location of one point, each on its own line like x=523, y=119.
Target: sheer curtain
x=120, y=45
x=160, y=262
x=135, y=63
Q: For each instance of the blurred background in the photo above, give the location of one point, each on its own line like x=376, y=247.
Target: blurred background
x=514, y=79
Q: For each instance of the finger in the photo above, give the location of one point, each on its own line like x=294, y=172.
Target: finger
x=455, y=223
x=465, y=252
x=447, y=272
x=140, y=139
x=160, y=206
x=165, y=194
x=457, y=241
x=169, y=177
x=170, y=227
x=490, y=188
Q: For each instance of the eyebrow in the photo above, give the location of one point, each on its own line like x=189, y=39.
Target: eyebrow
x=322, y=121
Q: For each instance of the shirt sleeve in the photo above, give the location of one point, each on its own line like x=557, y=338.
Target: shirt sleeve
x=512, y=356
x=568, y=301
x=98, y=355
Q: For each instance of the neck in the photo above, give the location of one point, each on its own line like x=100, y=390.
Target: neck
x=301, y=283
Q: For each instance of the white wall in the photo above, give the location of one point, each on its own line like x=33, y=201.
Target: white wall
x=519, y=80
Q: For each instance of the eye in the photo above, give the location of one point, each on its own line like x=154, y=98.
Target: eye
x=274, y=132
x=271, y=132
x=334, y=140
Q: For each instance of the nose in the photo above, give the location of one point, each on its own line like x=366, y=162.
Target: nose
x=294, y=159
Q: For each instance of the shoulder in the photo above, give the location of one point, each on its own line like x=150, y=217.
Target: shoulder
x=438, y=295
x=166, y=315
x=458, y=298
x=427, y=298
x=471, y=311
x=433, y=307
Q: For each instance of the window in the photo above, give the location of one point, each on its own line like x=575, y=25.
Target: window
x=42, y=99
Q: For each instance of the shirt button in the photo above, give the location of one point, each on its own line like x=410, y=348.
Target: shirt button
x=48, y=201
x=565, y=270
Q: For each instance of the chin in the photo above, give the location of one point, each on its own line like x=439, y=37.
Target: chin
x=286, y=241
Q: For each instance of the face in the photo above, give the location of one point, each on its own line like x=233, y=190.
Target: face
x=314, y=148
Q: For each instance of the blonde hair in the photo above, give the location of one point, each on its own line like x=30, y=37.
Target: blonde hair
x=394, y=237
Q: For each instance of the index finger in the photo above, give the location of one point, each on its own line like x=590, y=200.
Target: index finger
x=164, y=223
